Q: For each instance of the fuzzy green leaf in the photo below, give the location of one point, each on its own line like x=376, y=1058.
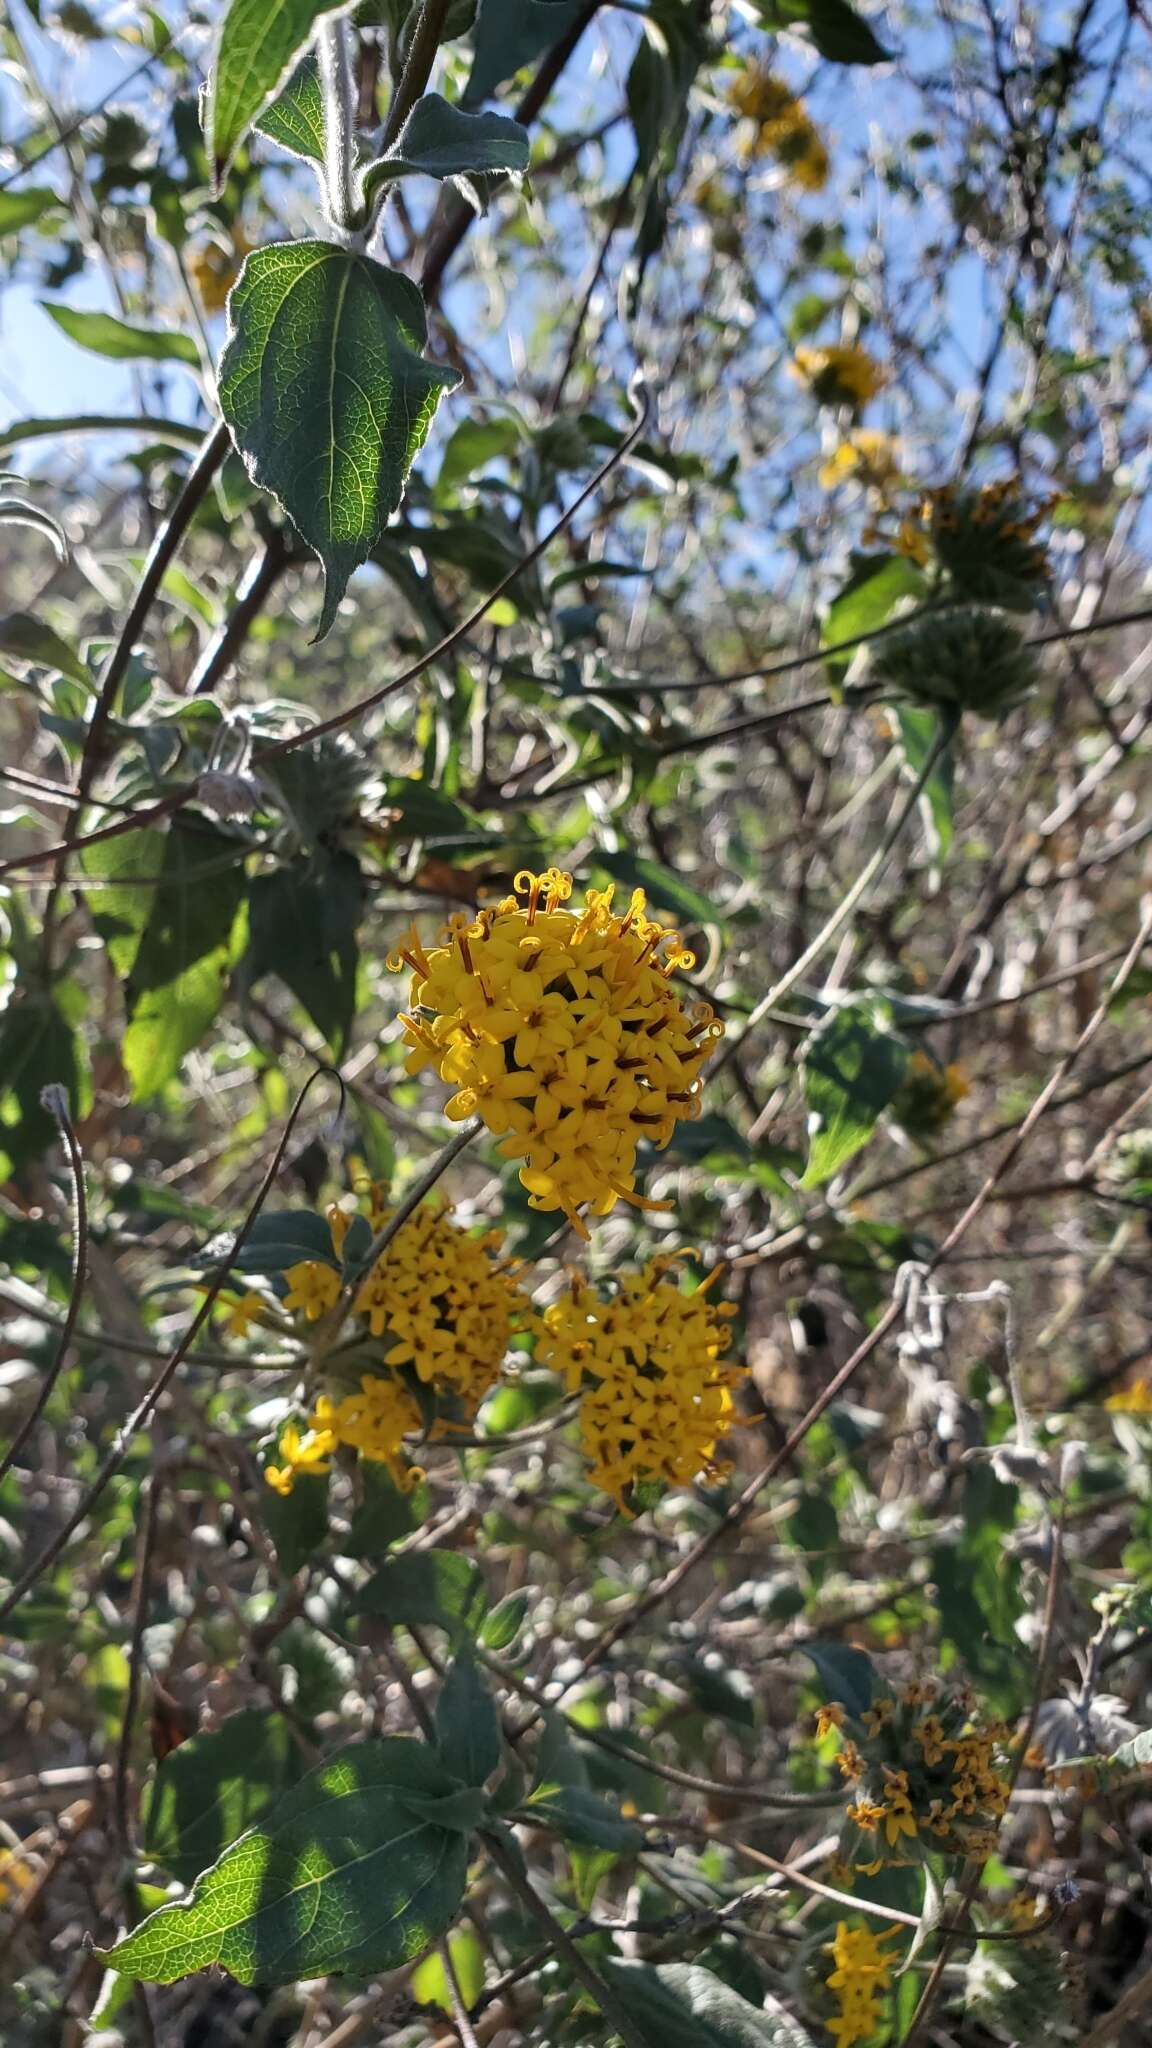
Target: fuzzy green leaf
x=440, y=141
x=259, y=42
x=467, y=1724
x=295, y=119
x=682, y=2005
x=325, y=387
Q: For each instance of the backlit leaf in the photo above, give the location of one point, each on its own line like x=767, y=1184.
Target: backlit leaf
x=104, y=335
x=214, y=1786
x=259, y=42
x=342, y=1877
x=329, y=397
x=853, y=1067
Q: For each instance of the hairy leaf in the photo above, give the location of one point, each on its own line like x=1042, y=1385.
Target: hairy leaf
x=295, y=118
x=20, y=209
x=442, y=142
x=847, y=1675
x=259, y=42
x=342, y=1877
x=32, y=640
x=328, y=395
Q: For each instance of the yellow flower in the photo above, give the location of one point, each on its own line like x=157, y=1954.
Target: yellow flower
x=312, y=1287
x=912, y=541
x=877, y=1717
x=840, y=375
x=1134, y=1399
x=445, y=1303
x=562, y=1032
x=242, y=1313
x=307, y=1453
x=799, y=149
x=862, y=1971
x=760, y=96
x=930, y=1735
x=16, y=1875
x=214, y=268
x=928, y=1095
x=828, y=1718
x=375, y=1422
x=648, y=1360
x=867, y=456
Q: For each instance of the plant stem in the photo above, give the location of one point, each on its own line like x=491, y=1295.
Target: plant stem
x=605, y=1997
x=335, y=59
x=868, y=874
x=417, y=69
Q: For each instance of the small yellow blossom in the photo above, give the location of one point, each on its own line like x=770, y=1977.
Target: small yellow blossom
x=862, y=1971
x=16, y=1874
x=375, y=1422
x=864, y=456
x=242, y=1313
x=929, y=1733
x=1134, y=1399
x=828, y=1718
x=928, y=1095
x=308, y=1453
x=877, y=1717
x=313, y=1287
x=648, y=1359
x=214, y=267
x=561, y=1030
x=782, y=128
x=840, y=375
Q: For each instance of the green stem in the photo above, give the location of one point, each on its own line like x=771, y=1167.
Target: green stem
x=335, y=60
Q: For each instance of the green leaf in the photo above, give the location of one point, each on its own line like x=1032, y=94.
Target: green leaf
x=429, y=1981
x=383, y=1515
x=442, y=142
x=919, y=730
x=20, y=209
x=438, y=1586
x=847, y=1675
x=295, y=118
x=340, y=1878
x=473, y=444
x=467, y=1724
x=214, y=1786
x=32, y=640
x=104, y=335
x=505, y=1622
x=853, y=1067
x=839, y=33
x=278, y=1238
x=297, y=1522
x=580, y=1815
x=510, y=34
x=842, y=35
x=328, y=395
x=463, y=1810
x=37, y=1047
x=716, y=1690
x=167, y=917
x=868, y=599
x=176, y=432
x=302, y=927
x=681, y=2005
x=1135, y=1754
x=259, y=42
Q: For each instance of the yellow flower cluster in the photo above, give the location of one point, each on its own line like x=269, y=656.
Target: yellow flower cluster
x=783, y=128
x=985, y=538
x=444, y=1307
x=862, y=1970
x=865, y=456
x=647, y=1361
x=561, y=1030
x=214, y=268
x=373, y=1422
x=1134, y=1399
x=918, y=1774
x=841, y=375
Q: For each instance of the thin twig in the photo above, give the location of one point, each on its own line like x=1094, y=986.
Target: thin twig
x=55, y=1100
